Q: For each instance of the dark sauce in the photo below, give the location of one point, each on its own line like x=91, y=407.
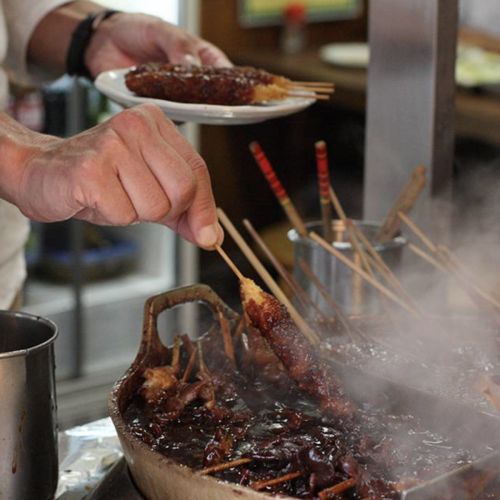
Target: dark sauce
x=282, y=431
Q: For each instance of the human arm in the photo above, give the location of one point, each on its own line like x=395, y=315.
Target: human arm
x=120, y=41
x=135, y=167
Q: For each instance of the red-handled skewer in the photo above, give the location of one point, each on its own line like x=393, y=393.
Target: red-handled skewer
x=324, y=189
x=278, y=189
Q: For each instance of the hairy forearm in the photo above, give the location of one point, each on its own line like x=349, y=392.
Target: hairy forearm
x=17, y=144
x=50, y=41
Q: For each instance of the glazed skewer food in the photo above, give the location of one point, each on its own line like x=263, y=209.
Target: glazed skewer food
x=210, y=85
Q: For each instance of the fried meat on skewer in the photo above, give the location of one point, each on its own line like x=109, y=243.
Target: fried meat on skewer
x=291, y=347
x=205, y=84
x=303, y=365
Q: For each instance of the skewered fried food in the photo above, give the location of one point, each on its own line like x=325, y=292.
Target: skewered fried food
x=273, y=321
x=206, y=84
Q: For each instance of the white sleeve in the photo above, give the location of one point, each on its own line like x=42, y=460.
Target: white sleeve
x=22, y=17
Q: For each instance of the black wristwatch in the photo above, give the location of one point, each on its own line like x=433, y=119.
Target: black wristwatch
x=75, y=59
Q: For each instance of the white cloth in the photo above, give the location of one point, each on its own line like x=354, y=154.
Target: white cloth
x=18, y=19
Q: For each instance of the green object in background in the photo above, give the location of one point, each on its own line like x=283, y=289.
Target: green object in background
x=270, y=12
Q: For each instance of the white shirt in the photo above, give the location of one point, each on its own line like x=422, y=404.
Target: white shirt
x=18, y=19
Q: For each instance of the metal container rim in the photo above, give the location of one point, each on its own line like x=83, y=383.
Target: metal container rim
x=397, y=242
x=35, y=348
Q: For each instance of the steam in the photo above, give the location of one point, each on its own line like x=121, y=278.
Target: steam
x=449, y=354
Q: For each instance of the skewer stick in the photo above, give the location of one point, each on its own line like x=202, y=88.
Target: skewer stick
x=325, y=90
x=466, y=274
x=298, y=291
x=428, y=258
x=260, y=485
x=337, y=489
x=338, y=207
x=239, y=329
x=224, y=466
x=190, y=366
x=324, y=186
x=201, y=362
x=278, y=189
x=191, y=349
x=454, y=273
x=447, y=263
x=382, y=267
x=362, y=273
x=403, y=203
x=226, y=335
x=312, y=95
x=317, y=84
x=266, y=277
x=229, y=262
x=176, y=351
x=418, y=232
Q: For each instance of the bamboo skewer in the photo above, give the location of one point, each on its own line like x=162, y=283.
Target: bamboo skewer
x=352, y=234
x=278, y=189
x=336, y=204
x=383, y=269
x=312, y=95
x=224, y=466
x=192, y=350
x=298, y=291
x=266, y=277
x=324, y=185
x=316, y=84
x=418, y=232
x=239, y=329
x=403, y=203
x=362, y=273
x=229, y=262
x=226, y=336
x=260, y=485
x=441, y=254
x=447, y=270
x=428, y=258
x=310, y=88
x=338, y=489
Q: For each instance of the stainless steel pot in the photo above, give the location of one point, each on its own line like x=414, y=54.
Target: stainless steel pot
x=28, y=426
x=347, y=288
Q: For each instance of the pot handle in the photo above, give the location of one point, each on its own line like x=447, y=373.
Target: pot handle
x=155, y=305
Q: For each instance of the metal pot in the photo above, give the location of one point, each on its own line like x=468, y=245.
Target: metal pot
x=161, y=478
x=349, y=290
x=28, y=426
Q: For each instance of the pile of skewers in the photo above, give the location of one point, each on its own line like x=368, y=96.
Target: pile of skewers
x=367, y=264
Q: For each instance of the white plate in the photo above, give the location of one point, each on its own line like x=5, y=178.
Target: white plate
x=353, y=55
x=112, y=84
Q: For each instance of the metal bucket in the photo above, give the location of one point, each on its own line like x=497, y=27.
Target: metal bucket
x=348, y=289
x=28, y=425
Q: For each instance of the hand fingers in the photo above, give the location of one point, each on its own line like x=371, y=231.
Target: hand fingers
x=212, y=56
x=104, y=199
x=200, y=221
x=179, y=46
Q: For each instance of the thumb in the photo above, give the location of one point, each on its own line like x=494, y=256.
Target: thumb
x=184, y=52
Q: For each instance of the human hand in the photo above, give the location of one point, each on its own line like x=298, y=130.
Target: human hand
x=126, y=40
x=135, y=167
